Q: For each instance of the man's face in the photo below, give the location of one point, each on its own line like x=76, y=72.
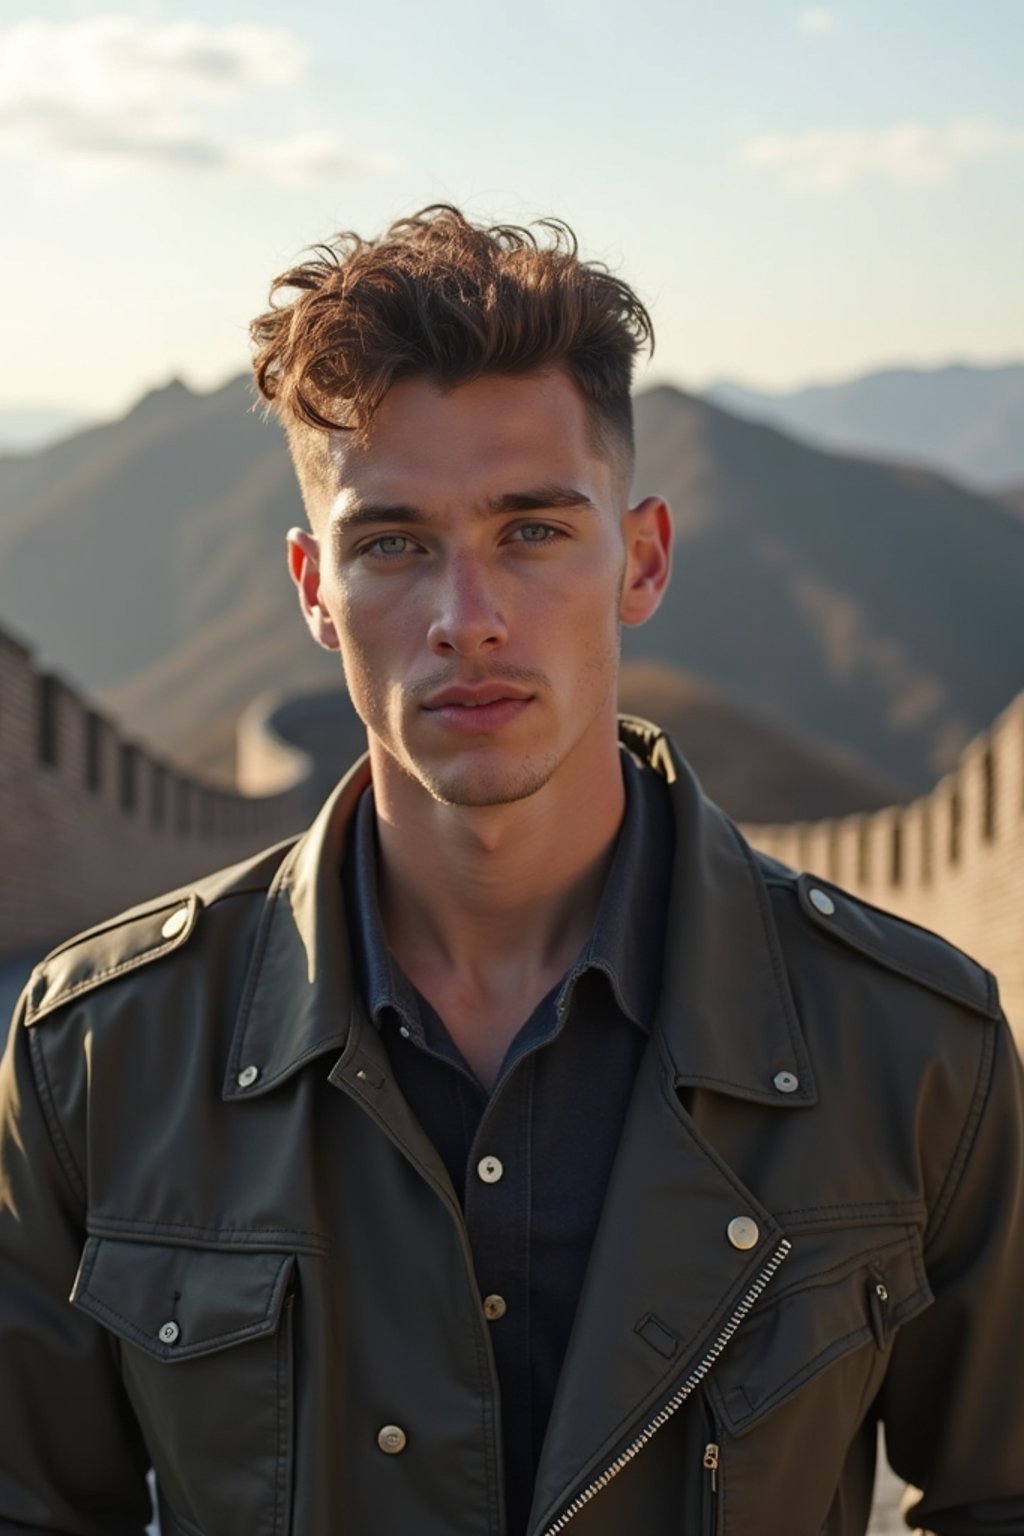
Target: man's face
x=473, y=570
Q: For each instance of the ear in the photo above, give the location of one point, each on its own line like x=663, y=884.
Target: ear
x=304, y=569
x=647, y=531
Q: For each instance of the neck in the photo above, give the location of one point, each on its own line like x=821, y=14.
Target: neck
x=499, y=897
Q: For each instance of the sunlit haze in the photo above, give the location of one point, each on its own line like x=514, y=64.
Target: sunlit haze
x=799, y=192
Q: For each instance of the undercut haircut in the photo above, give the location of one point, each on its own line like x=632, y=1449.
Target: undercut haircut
x=440, y=298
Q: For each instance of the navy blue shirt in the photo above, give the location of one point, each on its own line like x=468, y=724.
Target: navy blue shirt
x=530, y=1160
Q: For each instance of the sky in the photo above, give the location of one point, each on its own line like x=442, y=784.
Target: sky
x=800, y=193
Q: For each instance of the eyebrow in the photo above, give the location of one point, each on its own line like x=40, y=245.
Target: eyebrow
x=542, y=498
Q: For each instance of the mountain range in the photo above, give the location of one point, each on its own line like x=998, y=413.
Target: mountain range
x=966, y=422
x=867, y=613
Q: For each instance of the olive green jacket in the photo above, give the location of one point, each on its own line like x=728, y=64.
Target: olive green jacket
x=815, y=1221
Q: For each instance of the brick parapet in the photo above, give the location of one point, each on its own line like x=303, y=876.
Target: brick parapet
x=92, y=821
x=952, y=860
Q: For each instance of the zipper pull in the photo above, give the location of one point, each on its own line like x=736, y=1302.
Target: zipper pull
x=711, y=1465
x=878, y=1304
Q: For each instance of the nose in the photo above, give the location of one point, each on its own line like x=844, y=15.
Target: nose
x=467, y=617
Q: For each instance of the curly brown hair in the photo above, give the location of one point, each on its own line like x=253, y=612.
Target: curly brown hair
x=439, y=297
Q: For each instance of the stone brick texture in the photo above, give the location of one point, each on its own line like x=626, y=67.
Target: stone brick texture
x=90, y=822
x=952, y=861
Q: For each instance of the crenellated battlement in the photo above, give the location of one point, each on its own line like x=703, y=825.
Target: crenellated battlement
x=952, y=860
x=92, y=821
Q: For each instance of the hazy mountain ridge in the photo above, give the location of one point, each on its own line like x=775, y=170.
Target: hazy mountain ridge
x=1013, y=497
x=872, y=610
x=875, y=607
x=758, y=769
x=965, y=421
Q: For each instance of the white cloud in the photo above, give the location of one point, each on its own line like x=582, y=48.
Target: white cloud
x=828, y=160
x=817, y=18
x=119, y=91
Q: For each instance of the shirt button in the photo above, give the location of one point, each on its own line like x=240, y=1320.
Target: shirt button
x=248, y=1076
x=403, y=1030
x=786, y=1082
x=822, y=901
x=490, y=1169
x=742, y=1232
x=170, y=1333
x=494, y=1307
x=391, y=1439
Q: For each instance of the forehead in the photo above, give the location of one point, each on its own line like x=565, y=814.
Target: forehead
x=494, y=434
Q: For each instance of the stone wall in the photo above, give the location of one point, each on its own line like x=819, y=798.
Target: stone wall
x=952, y=860
x=91, y=821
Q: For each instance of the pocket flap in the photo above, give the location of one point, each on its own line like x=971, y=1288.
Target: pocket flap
x=175, y=1303
x=815, y=1322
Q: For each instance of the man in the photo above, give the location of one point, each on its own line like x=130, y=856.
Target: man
x=517, y=1151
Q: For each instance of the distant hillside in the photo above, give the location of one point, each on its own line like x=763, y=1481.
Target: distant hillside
x=1013, y=497
x=967, y=422
x=871, y=609
x=748, y=763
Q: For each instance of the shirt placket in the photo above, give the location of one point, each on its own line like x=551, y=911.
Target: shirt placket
x=497, y=1213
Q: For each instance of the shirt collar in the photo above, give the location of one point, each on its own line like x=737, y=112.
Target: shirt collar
x=627, y=953
x=725, y=1013
x=382, y=982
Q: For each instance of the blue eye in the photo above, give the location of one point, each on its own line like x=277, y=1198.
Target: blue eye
x=389, y=544
x=537, y=533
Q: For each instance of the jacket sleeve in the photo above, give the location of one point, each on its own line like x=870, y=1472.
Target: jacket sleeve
x=72, y=1459
x=953, y=1400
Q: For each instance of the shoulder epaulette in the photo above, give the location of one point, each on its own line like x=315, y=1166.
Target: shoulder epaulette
x=111, y=949
x=899, y=945
x=142, y=934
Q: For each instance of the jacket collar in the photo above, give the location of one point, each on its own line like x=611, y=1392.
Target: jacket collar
x=726, y=1013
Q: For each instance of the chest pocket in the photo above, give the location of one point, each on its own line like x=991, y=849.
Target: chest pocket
x=204, y=1337
x=833, y=1305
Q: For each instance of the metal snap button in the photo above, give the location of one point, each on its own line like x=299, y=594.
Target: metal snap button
x=490, y=1169
x=248, y=1076
x=391, y=1439
x=175, y=923
x=494, y=1307
x=822, y=901
x=170, y=1333
x=786, y=1082
x=743, y=1232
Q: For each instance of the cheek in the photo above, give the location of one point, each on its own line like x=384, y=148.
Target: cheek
x=374, y=636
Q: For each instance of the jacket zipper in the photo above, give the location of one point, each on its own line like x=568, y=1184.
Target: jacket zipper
x=687, y=1389
x=710, y=1462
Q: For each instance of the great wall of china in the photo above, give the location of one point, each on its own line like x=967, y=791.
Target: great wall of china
x=952, y=860
x=91, y=822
